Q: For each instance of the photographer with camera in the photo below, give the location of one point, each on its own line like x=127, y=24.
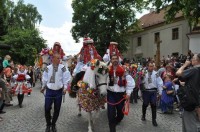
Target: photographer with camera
x=191, y=99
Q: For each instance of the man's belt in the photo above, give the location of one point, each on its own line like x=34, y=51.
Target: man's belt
x=53, y=89
x=151, y=90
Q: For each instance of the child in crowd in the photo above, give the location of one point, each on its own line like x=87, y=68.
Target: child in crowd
x=21, y=86
x=167, y=98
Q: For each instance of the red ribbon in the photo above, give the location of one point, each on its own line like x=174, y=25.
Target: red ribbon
x=126, y=107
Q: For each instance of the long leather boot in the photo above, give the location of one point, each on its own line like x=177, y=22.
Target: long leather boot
x=1, y=108
x=112, y=127
x=131, y=98
x=20, y=99
x=153, y=109
x=144, y=108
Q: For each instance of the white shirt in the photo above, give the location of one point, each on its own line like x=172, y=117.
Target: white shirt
x=156, y=81
x=128, y=88
x=62, y=77
x=78, y=68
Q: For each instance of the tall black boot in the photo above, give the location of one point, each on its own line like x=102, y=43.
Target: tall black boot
x=135, y=95
x=144, y=108
x=112, y=127
x=153, y=109
x=20, y=99
x=131, y=98
x=48, y=129
x=1, y=108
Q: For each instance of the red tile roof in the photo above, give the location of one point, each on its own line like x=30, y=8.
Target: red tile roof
x=153, y=18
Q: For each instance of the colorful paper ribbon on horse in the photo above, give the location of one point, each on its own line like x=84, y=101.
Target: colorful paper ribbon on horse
x=89, y=98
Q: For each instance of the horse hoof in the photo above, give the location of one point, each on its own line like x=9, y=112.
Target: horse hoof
x=79, y=115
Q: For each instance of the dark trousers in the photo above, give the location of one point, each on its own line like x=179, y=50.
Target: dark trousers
x=134, y=96
x=52, y=96
x=149, y=97
x=115, y=114
x=20, y=98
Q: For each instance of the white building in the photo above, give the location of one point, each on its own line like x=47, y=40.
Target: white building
x=173, y=36
x=194, y=41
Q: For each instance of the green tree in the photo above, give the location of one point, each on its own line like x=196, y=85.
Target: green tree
x=25, y=45
x=3, y=18
x=21, y=34
x=24, y=16
x=190, y=9
x=104, y=20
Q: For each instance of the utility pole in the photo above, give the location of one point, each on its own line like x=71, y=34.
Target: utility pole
x=158, y=41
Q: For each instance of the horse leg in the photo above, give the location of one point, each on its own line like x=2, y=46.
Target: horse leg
x=90, y=122
x=79, y=110
x=96, y=115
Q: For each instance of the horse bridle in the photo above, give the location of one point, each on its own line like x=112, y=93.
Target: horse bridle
x=99, y=84
x=45, y=63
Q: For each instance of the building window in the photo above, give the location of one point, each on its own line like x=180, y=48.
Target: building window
x=175, y=54
x=156, y=36
x=174, y=33
x=139, y=41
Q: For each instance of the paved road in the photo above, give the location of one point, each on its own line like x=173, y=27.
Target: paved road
x=30, y=118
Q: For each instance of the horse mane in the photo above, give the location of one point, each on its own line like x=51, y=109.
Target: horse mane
x=89, y=77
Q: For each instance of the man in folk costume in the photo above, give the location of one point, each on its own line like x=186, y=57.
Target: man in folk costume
x=54, y=80
x=153, y=84
x=21, y=87
x=87, y=53
x=119, y=85
x=112, y=49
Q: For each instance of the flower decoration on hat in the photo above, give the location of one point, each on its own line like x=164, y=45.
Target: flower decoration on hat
x=44, y=51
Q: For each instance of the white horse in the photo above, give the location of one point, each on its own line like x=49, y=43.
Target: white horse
x=93, y=89
x=46, y=60
x=68, y=62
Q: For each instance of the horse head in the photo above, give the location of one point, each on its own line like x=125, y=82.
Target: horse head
x=45, y=55
x=68, y=60
x=97, y=76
